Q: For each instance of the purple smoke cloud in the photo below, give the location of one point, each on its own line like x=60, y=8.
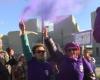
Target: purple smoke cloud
x=52, y=9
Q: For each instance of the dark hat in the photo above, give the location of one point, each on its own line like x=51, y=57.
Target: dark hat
x=71, y=45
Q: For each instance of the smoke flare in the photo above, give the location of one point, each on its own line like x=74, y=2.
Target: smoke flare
x=52, y=9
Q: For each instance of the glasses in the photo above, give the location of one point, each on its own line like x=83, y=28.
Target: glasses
x=40, y=51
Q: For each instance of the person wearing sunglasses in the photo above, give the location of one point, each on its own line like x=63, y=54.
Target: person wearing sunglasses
x=38, y=68
x=70, y=62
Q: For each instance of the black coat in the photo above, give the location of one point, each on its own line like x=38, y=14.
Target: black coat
x=4, y=74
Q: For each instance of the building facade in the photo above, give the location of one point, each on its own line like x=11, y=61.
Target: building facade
x=61, y=32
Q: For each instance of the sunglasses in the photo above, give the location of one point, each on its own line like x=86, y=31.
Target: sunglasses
x=72, y=49
x=40, y=51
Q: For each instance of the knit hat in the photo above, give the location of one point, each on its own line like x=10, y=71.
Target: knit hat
x=71, y=45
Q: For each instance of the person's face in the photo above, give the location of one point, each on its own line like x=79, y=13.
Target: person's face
x=11, y=52
x=87, y=55
x=72, y=53
x=1, y=55
x=39, y=53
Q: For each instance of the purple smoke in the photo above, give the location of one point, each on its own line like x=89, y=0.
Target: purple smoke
x=52, y=9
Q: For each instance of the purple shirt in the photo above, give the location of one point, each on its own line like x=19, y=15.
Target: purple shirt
x=69, y=69
x=39, y=70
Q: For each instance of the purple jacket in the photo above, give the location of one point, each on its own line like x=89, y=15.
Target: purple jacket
x=69, y=69
x=38, y=70
x=89, y=73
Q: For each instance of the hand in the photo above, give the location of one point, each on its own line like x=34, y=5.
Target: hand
x=22, y=27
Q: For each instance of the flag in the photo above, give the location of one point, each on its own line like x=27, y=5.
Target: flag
x=96, y=29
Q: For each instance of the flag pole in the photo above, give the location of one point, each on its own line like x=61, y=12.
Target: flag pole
x=42, y=20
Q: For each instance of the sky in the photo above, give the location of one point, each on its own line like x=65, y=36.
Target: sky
x=11, y=11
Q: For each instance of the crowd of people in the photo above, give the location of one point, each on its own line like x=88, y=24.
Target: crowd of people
x=62, y=64
x=12, y=68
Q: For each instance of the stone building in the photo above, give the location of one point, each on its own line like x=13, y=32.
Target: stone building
x=61, y=32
